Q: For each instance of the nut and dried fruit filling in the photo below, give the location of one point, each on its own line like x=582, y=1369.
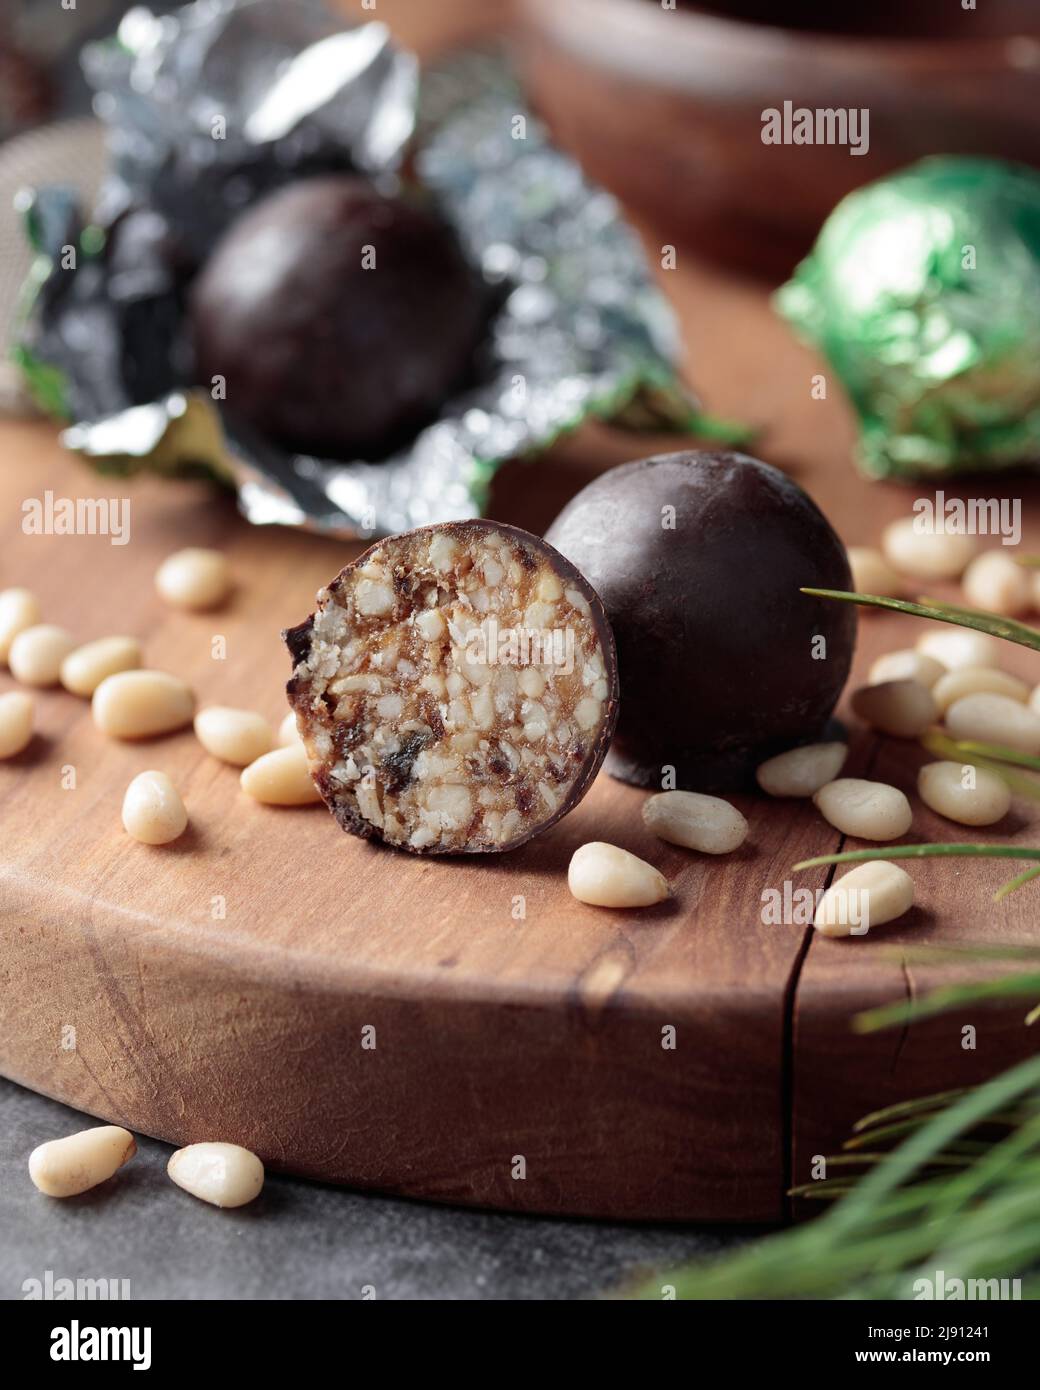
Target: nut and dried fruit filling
x=453, y=691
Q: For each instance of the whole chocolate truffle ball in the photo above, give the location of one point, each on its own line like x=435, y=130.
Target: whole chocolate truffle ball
x=340, y=319
x=722, y=662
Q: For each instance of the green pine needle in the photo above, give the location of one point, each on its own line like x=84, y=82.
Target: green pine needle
x=920, y=1207
x=1005, y=628
x=926, y=851
x=941, y=1001
x=1019, y=881
x=998, y=760
x=1000, y=754
x=936, y=851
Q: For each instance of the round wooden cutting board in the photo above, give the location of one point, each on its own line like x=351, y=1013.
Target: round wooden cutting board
x=458, y=1030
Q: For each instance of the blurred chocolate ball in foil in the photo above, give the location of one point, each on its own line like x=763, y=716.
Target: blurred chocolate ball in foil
x=923, y=291
x=339, y=319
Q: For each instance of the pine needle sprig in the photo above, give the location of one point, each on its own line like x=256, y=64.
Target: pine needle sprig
x=1006, y=628
x=917, y=1208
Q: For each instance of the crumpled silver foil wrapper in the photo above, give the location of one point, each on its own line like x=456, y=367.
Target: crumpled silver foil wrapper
x=285, y=84
x=581, y=332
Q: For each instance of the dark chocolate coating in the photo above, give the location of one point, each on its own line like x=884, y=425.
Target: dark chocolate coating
x=298, y=641
x=319, y=353
x=714, y=640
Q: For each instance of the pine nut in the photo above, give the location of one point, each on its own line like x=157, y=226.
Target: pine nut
x=36, y=654
x=906, y=665
x=872, y=574
x=19, y=609
x=142, y=704
x=867, y=896
x=695, y=821
x=994, y=582
x=869, y=810
x=288, y=731
x=16, y=722
x=281, y=778
x=926, y=554
x=802, y=771
x=903, y=709
x=65, y=1167
x=606, y=876
x=153, y=811
x=961, y=792
x=194, y=578
x=989, y=718
x=225, y=1175
x=957, y=647
x=977, y=680
x=236, y=736
x=84, y=669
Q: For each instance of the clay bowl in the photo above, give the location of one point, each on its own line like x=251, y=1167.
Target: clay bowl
x=665, y=106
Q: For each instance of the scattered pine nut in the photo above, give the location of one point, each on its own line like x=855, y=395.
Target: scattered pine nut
x=695, y=821
x=926, y=554
x=36, y=654
x=84, y=669
x=288, y=731
x=195, y=578
x=16, y=722
x=225, y=1175
x=19, y=609
x=977, y=680
x=66, y=1167
x=867, y=896
x=994, y=582
x=142, y=704
x=906, y=665
x=281, y=778
x=987, y=718
x=606, y=876
x=903, y=709
x=872, y=574
x=870, y=810
x=153, y=811
x=957, y=647
x=235, y=736
x=802, y=771
x=963, y=793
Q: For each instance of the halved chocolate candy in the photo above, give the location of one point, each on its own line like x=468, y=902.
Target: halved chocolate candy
x=456, y=689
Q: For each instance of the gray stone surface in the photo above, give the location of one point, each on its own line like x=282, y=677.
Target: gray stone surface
x=299, y=1239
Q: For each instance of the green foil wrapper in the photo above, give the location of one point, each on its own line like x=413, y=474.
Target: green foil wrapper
x=923, y=291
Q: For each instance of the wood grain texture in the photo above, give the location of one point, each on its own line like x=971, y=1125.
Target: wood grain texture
x=496, y=1036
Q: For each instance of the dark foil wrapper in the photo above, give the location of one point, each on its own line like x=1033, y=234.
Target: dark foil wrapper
x=581, y=330
x=923, y=291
